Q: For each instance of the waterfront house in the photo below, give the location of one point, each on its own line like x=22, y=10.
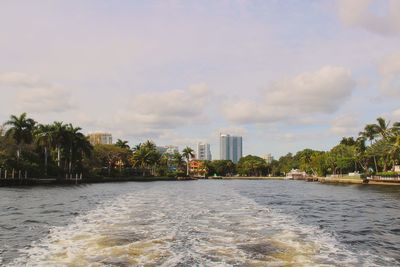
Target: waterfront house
x=296, y=174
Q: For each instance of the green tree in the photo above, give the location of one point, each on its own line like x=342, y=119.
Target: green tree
x=370, y=134
x=59, y=130
x=44, y=139
x=109, y=157
x=178, y=161
x=187, y=152
x=122, y=144
x=21, y=130
x=220, y=167
x=252, y=166
x=146, y=157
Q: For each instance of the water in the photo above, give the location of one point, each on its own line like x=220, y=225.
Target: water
x=200, y=223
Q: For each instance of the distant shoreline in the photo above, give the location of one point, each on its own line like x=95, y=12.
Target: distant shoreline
x=54, y=181
x=323, y=180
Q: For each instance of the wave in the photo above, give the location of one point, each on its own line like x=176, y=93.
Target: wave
x=188, y=225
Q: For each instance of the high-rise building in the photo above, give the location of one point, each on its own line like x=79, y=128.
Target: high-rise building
x=203, y=151
x=230, y=147
x=268, y=158
x=100, y=138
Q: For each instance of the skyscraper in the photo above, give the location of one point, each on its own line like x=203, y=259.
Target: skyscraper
x=203, y=151
x=230, y=147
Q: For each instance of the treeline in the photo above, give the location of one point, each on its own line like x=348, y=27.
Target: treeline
x=62, y=150
x=376, y=149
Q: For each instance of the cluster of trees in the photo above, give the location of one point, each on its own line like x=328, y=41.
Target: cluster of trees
x=61, y=149
x=42, y=149
x=376, y=149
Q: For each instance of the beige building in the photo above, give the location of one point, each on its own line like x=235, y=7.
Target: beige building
x=268, y=158
x=100, y=138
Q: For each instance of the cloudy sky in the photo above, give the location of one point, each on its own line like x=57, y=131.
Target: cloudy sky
x=285, y=75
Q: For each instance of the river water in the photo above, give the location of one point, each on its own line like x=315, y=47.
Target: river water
x=200, y=223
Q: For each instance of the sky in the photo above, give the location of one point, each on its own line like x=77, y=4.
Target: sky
x=285, y=75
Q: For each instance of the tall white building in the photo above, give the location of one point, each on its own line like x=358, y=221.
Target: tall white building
x=230, y=147
x=203, y=151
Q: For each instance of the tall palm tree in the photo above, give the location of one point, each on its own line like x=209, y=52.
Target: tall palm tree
x=187, y=152
x=74, y=141
x=142, y=158
x=382, y=128
x=21, y=130
x=122, y=144
x=59, y=134
x=80, y=147
x=370, y=134
x=44, y=138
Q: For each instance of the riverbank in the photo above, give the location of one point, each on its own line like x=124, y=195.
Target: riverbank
x=323, y=180
x=55, y=181
x=248, y=178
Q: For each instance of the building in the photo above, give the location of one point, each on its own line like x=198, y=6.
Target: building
x=167, y=149
x=203, y=151
x=197, y=168
x=230, y=147
x=296, y=174
x=100, y=138
x=268, y=158
x=169, y=152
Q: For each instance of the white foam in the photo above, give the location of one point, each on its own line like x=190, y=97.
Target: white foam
x=187, y=225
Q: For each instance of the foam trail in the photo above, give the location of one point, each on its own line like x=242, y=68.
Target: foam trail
x=187, y=226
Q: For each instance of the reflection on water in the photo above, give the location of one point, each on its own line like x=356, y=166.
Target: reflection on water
x=227, y=223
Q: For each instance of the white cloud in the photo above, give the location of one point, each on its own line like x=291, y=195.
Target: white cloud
x=44, y=100
x=371, y=15
x=19, y=79
x=291, y=99
x=232, y=130
x=155, y=113
x=394, y=116
x=345, y=125
x=389, y=70
x=33, y=94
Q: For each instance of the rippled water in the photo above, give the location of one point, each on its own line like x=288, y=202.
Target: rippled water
x=201, y=223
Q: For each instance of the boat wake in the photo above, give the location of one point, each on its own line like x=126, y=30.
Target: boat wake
x=187, y=227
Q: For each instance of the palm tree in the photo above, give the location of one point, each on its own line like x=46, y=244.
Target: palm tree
x=137, y=147
x=74, y=140
x=122, y=144
x=142, y=158
x=44, y=138
x=178, y=160
x=21, y=130
x=348, y=141
x=395, y=149
x=59, y=133
x=396, y=128
x=382, y=128
x=187, y=152
x=146, y=156
x=81, y=147
x=149, y=145
x=369, y=133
